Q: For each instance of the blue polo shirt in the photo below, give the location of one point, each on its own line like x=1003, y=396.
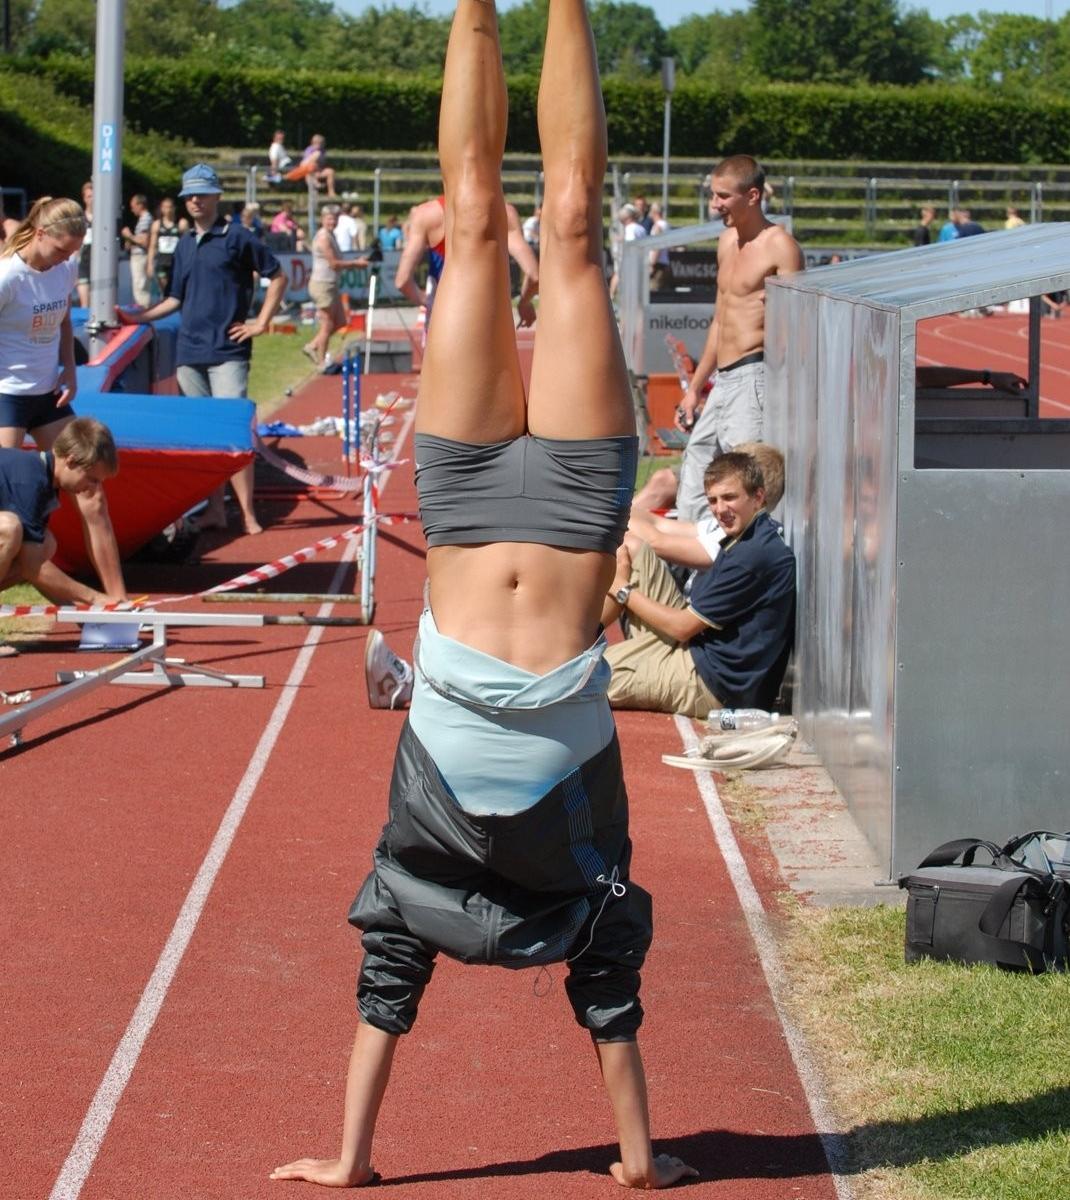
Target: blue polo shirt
x=747, y=600
x=213, y=281
x=27, y=490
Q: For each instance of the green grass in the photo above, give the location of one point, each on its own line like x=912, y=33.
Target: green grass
x=952, y=1080
x=278, y=365
x=651, y=463
x=24, y=629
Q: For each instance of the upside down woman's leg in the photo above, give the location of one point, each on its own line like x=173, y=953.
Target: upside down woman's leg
x=470, y=386
x=579, y=381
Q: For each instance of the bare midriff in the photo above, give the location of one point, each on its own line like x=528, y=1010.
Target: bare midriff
x=531, y=605
x=741, y=274
x=740, y=326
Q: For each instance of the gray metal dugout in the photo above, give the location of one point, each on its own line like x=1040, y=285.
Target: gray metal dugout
x=932, y=532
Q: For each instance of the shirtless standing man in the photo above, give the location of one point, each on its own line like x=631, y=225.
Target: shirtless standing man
x=425, y=233
x=750, y=250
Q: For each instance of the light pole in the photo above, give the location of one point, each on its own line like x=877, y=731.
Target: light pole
x=107, y=171
x=668, y=82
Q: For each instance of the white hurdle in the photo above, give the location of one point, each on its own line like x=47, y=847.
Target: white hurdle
x=161, y=671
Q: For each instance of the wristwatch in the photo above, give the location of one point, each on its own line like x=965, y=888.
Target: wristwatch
x=621, y=594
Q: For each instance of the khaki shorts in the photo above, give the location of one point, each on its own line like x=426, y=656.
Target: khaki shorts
x=323, y=294
x=651, y=671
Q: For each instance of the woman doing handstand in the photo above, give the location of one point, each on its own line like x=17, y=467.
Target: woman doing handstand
x=515, y=850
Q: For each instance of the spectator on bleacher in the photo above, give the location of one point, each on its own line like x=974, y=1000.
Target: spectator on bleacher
x=278, y=160
x=163, y=240
x=284, y=225
x=660, y=271
x=530, y=229
x=425, y=236
x=629, y=229
x=212, y=286
x=922, y=233
x=250, y=218
x=38, y=379
x=8, y=225
x=967, y=226
x=949, y=231
x=87, y=245
x=323, y=285
x=136, y=241
x=642, y=212
x=82, y=457
x=347, y=231
x=391, y=235
x=728, y=645
x=695, y=544
x=315, y=158
x=749, y=251
x=1014, y=218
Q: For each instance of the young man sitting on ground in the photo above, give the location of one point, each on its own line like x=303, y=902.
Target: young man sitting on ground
x=81, y=458
x=728, y=645
x=695, y=544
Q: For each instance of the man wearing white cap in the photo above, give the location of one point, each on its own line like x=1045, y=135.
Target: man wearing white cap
x=213, y=283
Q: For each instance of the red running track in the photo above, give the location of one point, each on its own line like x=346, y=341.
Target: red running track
x=114, y=806
x=1001, y=343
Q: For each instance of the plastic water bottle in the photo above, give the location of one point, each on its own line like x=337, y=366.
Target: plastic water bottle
x=741, y=720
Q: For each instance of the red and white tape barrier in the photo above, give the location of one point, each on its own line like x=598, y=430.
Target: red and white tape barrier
x=268, y=570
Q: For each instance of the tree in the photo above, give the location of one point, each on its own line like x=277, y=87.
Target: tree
x=714, y=46
x=406, y=41
x=838, y=41
x=628, y=38
x=155, y=28
x=1014, y=51
x=523, y=33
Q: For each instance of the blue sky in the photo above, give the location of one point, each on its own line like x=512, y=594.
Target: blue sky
x=671, y=11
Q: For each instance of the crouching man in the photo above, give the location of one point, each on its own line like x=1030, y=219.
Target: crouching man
x=726, y=647
x=82, y=457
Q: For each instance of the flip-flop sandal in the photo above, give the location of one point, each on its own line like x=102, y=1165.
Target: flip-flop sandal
x=735, y=756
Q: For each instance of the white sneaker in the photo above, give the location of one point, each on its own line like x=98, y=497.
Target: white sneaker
x=388, y=677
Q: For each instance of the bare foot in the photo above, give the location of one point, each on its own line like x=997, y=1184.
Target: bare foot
x=329, y=1172
x=667, y=1170
x=7, y=650
x=252, y=526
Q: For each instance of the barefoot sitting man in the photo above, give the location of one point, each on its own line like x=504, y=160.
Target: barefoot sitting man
x=82, y=457
x=507, y=842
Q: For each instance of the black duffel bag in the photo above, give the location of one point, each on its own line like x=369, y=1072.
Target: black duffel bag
x=1008, y=913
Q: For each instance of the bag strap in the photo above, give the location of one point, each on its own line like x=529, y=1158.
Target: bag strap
x=996, y=912
x=966, y=848
x=1001, y=903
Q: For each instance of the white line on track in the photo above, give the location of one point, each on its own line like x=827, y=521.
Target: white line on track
x=832, y=1142
x=83, y=1153
x=944, y=335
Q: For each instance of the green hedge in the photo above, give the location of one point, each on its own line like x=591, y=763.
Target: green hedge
x=46, y=144
x=229, y=106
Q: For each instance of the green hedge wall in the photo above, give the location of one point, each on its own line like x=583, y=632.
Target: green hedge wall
x=46, y=144
x=235, y=107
